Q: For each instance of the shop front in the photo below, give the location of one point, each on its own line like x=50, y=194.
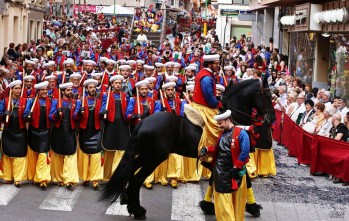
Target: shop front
x=318, y=45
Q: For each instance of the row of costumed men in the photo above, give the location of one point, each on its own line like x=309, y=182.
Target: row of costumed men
x=68, y=127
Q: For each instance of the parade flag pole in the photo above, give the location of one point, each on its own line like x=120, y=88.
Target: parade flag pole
x=162, y=98
x=59, y=101
x=138, y=105
x=32, y=109
x=9, y=105
x=83, y=100
x=107, y=104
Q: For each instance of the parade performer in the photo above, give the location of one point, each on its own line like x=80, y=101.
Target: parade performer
x=141, y=106
x=189, y=171
x=76, y=89
x=52, y=90
x=139, y=75
x=14, y=137
x=229, y=173
x=152, y=92
x=37, y=113
x=229, y=76
x=128, y=84
x=63, y=141
x=109, y=71
x=90, y=152
x=89, y=66
x=100, y=88
x=29, y=69
x=205, y=101
x=116, y=133
x=49, y=68
x=68, y=70
x=28, y=90
x=172, y=104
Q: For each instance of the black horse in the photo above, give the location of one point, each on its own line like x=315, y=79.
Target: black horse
x=155, y=137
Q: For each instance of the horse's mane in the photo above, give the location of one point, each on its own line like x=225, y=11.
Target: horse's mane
x=234, y=88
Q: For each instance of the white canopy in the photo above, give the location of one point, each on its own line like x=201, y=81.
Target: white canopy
x=119, y=10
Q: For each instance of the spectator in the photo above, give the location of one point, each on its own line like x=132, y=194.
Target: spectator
x=11, y=52
x=291, y=102
x=319, y=117
x=327, y=126
x=339, y=130
x=282, y=100
x=326, y=98
x=142, y=38
x=309, y=111
x=298, y=109
x=342, y=108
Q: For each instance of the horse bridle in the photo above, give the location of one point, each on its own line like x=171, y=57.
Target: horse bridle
x=254, y=119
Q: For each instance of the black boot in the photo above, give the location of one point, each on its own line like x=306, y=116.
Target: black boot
x=254, y=209
x=207, y=207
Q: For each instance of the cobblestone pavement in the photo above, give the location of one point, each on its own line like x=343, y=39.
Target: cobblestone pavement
x=294, y=194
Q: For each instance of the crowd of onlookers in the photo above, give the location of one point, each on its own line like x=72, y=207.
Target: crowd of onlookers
x=149, y=20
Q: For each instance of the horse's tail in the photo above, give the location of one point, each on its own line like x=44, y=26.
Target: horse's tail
x=121, y=175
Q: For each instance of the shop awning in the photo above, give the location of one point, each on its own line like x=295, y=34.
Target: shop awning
x=119, y=10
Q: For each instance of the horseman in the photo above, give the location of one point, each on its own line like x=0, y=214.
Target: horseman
x=205, y=101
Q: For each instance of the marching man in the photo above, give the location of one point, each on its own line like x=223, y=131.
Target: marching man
x=37, y=113
x=229, y=172
x=90, y=151
x=63, y=141
x=14, y=136
x=116, y=133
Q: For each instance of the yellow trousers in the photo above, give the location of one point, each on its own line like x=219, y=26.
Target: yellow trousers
x=210, y=132
x=14, y=168
x=160, y=173
x=251, y=166
x=39, y=166
x=174, y=166
x=231, y=206
x=90, y=166
x=265, y=162
x=64, y=169
x=111, y=162
x=189, y=173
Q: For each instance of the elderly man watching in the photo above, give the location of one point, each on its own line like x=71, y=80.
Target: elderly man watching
x=298, y=109
x=342, y=108
x=326, y=98
x=281, y=102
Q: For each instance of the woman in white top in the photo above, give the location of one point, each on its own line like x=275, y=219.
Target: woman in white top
x=326, y=127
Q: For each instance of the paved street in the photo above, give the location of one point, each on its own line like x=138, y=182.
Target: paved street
x=292, y=195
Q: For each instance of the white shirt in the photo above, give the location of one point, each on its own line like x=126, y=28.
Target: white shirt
x=299, y=108
x=142, y=38
x=283, y=101
x=326, y=128
x=342, y=112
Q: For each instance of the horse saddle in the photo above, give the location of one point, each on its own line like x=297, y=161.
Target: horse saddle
x=193, y=115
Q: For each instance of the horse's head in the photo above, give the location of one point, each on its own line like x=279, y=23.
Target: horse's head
x=263, y=102
x=246, y=96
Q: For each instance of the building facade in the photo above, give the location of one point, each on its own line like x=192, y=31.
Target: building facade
x=314, y=34
x=20, y=21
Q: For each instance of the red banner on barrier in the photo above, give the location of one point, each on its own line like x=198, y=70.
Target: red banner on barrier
x=323, y=154
x=277, y=129
x=330, y=156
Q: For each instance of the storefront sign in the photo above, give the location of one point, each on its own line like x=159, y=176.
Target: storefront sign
x=229, y=12
x=89, y=8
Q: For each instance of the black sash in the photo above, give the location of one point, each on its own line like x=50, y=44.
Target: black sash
x=90, y=138
x=39, y=138
x=63, y=141
x=116, y=134
x=14, y=139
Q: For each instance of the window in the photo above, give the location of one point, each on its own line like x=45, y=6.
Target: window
x=241, y=2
